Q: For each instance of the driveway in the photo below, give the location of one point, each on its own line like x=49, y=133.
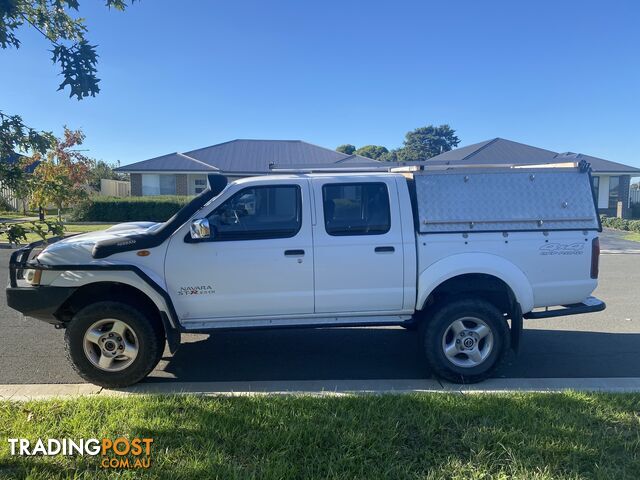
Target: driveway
x=581, y=346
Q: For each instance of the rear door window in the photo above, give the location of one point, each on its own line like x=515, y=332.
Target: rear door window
x=356, y=208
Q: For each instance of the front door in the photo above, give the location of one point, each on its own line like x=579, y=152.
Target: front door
x=258, y=263
x=358, y=246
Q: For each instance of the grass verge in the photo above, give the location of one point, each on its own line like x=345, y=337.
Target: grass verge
x=634, y=237
x=521, y=436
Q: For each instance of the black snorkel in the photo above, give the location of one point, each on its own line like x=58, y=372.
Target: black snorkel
x=105, y=248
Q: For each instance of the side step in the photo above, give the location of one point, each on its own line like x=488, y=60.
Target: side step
x=298, y=322
x=590, y=305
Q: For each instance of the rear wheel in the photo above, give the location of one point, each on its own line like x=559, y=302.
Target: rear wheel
x=113, y=344
x=465, y=340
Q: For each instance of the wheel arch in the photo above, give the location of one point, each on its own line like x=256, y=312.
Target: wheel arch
x=486, y=276
x=473, y=270
x=93, y=292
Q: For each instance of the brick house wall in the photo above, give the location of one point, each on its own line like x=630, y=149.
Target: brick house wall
x=182, y=186
x=136, y=184
x=625, y=185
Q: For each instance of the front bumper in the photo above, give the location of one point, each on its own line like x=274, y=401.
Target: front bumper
x=41, y=302
x=590, y=305
x=38, y=302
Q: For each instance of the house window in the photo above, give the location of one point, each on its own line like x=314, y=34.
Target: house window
x=200, y=184
x=158, y=184
x=596, y=187
x=614, y=191
x=167, y=184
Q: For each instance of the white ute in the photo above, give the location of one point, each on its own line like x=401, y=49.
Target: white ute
x=460, y=254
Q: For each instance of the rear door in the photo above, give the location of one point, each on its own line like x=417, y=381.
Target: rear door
x=358, y=252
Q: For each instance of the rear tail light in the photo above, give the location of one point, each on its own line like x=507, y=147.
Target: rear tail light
x=595, y=257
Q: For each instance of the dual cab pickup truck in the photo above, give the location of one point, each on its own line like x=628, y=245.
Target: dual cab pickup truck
x=461, y=255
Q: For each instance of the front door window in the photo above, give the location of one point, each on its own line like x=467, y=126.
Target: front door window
x=259, y=213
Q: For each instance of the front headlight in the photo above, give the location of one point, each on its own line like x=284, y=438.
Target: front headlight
x=33, y=276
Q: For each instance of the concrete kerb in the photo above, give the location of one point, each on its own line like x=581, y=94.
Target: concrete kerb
x=322, y=388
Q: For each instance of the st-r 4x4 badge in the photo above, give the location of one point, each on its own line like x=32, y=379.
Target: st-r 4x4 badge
x=196, y=290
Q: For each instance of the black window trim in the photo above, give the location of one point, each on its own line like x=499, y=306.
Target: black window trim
x=356, y=184
x=267, y=235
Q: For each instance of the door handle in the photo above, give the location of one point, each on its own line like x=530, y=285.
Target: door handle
x=384, y=249
x=294, y=253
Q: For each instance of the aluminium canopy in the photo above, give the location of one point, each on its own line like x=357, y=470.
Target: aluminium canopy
x=505, y=199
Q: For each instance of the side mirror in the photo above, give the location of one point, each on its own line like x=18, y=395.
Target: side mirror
x=200, y=229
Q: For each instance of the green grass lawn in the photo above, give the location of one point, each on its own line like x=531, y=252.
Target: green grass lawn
x=633, y=236
x=70, y=228
x=83, y=228
x=452, y=436
x=13, y=215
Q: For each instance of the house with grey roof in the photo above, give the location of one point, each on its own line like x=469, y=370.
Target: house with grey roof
x=611, y=180
x=186, y=173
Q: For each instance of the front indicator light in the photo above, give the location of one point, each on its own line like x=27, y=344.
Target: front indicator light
x=33, y=276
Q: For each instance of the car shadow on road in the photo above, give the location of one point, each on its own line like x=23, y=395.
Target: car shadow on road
x=386, y=353
x=299, y=354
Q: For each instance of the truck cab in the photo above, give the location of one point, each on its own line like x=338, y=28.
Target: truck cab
x=307, y=246
x=314, y=249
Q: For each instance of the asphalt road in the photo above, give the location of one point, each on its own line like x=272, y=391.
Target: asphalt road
x=606, y=344
x=613, y=241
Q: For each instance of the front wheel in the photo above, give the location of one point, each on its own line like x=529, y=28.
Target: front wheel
x=465, y=340
x=113, y=344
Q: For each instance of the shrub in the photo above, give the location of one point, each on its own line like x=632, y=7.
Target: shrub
x=5, y=206
x=634, y=225
x=128, y=209
x=621, y=224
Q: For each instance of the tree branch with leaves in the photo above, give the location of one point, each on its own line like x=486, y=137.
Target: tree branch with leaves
x=61, y=177
x=16, y=233
x=58, y=23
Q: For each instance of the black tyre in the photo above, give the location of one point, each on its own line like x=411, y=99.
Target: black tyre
x=113, y=344
x=465, y=340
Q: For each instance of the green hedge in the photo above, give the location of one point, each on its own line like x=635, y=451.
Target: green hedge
x=128, y=209
x=621, y=224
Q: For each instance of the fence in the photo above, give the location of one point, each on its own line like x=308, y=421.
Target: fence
x=10, y=200
x=634, y=195
x=115, y=188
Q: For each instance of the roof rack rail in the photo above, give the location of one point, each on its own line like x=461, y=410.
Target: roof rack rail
x=345, y=168
x=397, y=167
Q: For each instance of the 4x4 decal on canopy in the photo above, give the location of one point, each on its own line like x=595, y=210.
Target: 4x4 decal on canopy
x=576, y=248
